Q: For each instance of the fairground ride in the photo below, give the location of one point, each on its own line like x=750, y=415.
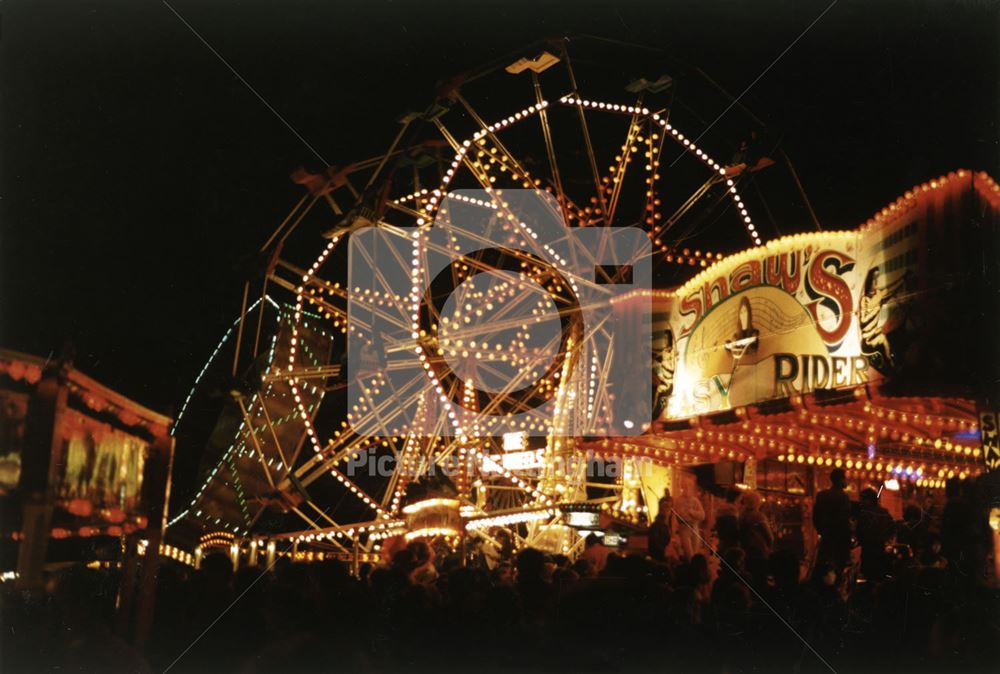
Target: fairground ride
x=290, y=475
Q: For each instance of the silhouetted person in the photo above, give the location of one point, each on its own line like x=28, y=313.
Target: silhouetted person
x=826, y=609
x=965, y=533
x=659, y=532
x=702, y=577
x=957, y=525
x=503, y=575
x=534, y=588
x=730, y=597
x=727, y=522
x=595, y=552
x=784, y=567
x=875, y=528
x=931, y=556
x=832, y=519
x=912, y=530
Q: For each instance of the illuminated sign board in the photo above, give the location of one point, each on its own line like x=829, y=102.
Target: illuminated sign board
x=807, y=312
x=990, y=438
x=582, y=519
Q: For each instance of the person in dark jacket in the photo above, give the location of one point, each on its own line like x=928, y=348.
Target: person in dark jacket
x=875, y=527
x=832, y=519
x=912, y=530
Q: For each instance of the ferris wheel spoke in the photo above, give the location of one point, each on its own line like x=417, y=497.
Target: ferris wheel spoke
x=391, y=404
x=294, y=223
x=308, y=420
x=386, y=286
x=322, y=462
x=270, y=427
x=304, y=373
x=588, y=143
x=476, y=172
x=543, y=117
x=503, y=397
x=335, y=452
x=624, y=160
x=332, y=203
x=392, y=148
x=691, y=201
x=396, y=404
x=396, y=206
x=252, y=433
x=509, y=475
x=493, y=138
x=322, y=514
x=319, y=466
x=288, y=218
x=357, y=491
x=370, y=305
x=397, y=480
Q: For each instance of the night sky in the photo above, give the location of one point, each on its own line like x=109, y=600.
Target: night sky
x=137, y=171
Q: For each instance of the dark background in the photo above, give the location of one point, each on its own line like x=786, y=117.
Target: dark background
x=137, y=170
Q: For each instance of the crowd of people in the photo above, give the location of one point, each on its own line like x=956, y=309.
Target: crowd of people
x=921, y=599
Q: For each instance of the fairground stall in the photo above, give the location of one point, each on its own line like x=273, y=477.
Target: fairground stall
x=84, y=478
x=865, y=350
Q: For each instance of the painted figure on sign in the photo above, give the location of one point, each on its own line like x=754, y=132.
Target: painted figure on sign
x=874, y=343
x=744, y=342
x=745, y=339
x=666, y=362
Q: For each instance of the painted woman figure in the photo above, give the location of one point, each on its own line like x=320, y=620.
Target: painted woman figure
x=873, y=339
x=744, y=342
x=745, y=339
x=666, y=362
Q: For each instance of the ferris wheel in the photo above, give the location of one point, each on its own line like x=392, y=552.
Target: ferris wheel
x=471, y=273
